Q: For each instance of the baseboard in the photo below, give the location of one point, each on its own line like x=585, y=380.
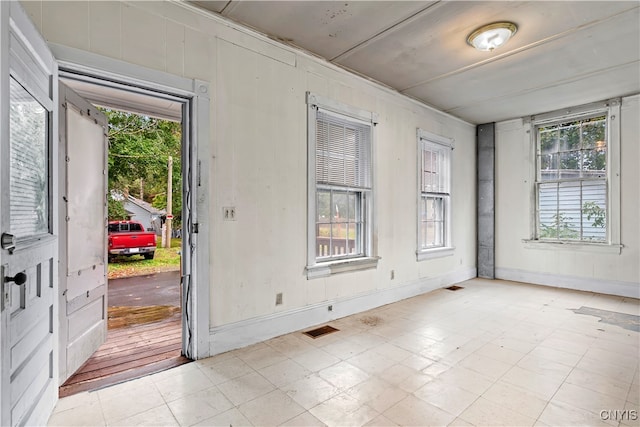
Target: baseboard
x=609, y=287
x=246, y=332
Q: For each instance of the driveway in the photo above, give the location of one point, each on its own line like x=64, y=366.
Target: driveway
x=150, y=290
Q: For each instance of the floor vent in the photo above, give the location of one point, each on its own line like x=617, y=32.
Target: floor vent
x=454, y=288
x=323, y=330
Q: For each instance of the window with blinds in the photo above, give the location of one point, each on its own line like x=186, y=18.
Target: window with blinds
x=29, y=167
x=343, y=184
x=343, y=151
x=571, y=184
x=433, y=205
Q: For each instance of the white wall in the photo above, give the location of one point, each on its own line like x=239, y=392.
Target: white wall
x=258, y=146
x=606, y=272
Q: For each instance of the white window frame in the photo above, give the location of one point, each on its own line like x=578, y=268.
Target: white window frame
x=323, y=267
x=611, y=109
x=444, y=145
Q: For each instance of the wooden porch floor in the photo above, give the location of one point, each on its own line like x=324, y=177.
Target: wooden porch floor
x=130, y=352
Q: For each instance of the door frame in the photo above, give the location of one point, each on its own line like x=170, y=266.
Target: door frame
x=196, y=274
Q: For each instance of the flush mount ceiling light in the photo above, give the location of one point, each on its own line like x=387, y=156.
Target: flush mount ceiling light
x=491, y=36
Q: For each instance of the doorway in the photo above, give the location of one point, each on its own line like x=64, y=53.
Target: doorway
x=32, y=303
x=144, y=336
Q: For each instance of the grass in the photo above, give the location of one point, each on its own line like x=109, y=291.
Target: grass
x=136, y=265
x=339, y=232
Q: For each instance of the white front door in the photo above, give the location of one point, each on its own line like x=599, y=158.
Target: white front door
x=83, y=226
x=28, y=221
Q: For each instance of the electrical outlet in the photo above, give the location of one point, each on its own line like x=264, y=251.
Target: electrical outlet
x=229, y=213
x=279, y=298
x=330, y=308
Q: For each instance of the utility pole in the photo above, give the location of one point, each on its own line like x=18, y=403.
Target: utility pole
x=169, y=202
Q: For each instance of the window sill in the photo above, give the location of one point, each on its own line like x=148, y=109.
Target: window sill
x=435, y=253
x=329, y=268
x=574, y=246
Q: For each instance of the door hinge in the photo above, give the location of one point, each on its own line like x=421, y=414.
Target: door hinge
x=194, y=228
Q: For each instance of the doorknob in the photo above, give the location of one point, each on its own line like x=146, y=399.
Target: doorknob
x=19, y=279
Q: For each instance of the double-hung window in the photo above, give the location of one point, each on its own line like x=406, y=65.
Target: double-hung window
x=434, y=195
x=340, y=185
x=574, y=191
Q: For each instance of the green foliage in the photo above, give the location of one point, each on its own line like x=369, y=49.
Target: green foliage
x=574, y=146
x=595, y=212
x=116, y=210
x=139, y=149
x=160, y=202
x=561, y=229
x=558, y=229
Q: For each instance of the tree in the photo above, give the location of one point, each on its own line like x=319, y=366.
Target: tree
x=595, y=212
x=139, y=147
x=117, y=211
x=574, y=146
x=559, y=228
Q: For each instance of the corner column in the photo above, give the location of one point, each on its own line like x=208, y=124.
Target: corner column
x=485, y=158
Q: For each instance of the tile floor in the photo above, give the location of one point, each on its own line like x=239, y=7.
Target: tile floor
x=493, y=353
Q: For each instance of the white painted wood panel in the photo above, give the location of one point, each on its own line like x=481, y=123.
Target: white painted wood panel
x=86, y=198
x=83, y=297
x=28, y=390
x=90, y=281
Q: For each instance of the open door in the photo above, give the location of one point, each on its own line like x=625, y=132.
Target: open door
x=83, y=225
x=28, y=221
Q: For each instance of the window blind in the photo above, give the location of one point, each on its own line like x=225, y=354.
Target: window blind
x=343, y=151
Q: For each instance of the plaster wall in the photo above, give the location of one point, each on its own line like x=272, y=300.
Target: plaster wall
x=572, y=267
x=259, y=154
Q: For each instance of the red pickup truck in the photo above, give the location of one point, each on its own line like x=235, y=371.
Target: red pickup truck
x=128, y=238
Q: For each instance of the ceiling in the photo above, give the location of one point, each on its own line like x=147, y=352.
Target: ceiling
x=565, y=53
x=126, y=98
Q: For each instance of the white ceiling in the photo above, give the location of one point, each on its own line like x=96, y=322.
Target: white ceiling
x=116, y=96
x=565, y=53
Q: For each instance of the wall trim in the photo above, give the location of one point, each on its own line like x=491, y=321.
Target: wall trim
x=246, y=332
x=601, y=286
x=116, y=70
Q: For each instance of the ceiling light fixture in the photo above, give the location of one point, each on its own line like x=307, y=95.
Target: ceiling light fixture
x=491, y=36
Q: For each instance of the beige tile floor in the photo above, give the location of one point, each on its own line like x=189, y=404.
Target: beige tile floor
x=493, y=353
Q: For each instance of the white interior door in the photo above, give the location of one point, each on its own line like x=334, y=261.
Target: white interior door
x=28, y=221
x=83, y=257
